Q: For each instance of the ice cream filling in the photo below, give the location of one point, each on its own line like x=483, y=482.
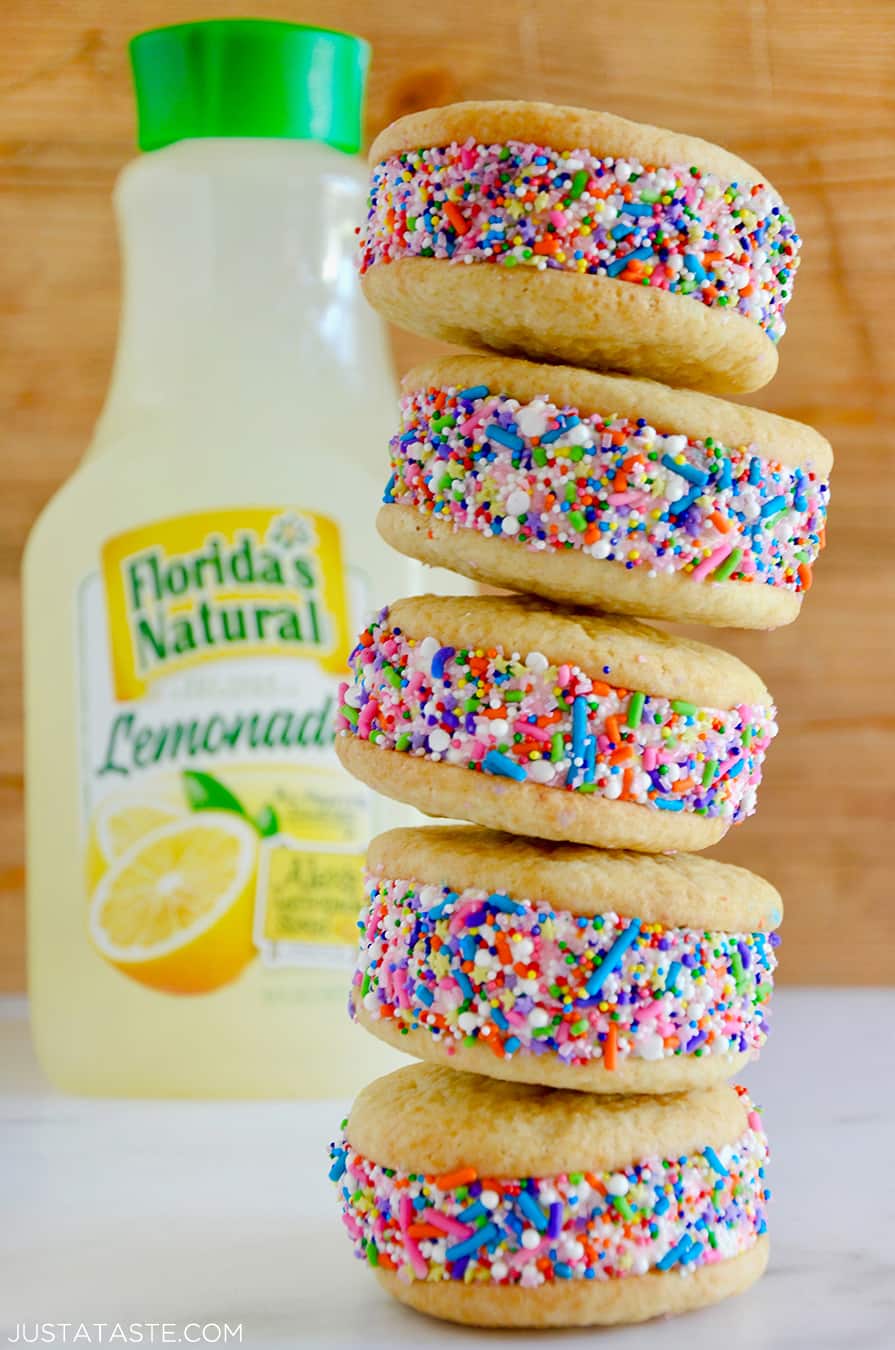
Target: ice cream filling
x=674, y=228
x=518, y=977
x=669, y=1215
x=555, y=480
x=523, y=719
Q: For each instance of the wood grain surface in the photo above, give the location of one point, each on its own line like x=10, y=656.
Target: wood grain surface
x=803, y=88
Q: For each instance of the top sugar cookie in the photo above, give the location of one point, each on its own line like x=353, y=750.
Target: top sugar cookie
x=613, y=245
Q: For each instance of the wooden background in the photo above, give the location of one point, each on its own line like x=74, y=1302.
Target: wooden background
x=803, y=88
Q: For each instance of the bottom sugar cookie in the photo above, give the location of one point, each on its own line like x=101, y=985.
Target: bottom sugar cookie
x=503, y=1204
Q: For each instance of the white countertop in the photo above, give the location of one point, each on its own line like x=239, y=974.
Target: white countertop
x=211, y=1213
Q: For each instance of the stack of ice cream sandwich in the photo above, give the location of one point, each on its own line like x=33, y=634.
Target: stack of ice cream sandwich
x=579, y=986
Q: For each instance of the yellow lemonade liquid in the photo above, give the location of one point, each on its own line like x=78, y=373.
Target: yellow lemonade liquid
x=191, y=597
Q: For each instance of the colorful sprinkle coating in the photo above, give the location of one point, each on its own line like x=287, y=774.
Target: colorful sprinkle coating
x=519, y=977
x=680, y=229
x=558, y=480
x=664, y=1214
x=527, y=720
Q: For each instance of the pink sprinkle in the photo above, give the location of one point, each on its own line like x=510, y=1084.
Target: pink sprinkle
x=469, y=426
x=753, y=1120
x=405, y=1211
x=563, y=675
x=711, y=562
x=467, y=156
x=524, y=1255
x=649, y=758
x=400, y=978
x=558, y=218
x=446, y=1224
x=352, y=1227
x=343, y=690
x=477, y=750
x=620, y=498
x=458, y=918
x=535, y=733
x=416, y=1259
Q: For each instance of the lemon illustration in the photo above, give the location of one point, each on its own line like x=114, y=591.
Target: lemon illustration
x=175, y=911
x=116, y=826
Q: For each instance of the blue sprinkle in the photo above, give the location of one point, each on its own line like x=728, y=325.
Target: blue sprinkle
x=617, y=266
x=612, y=960
x=725, y=475
x=772, y=507
x=641, y=253
x=504, y=767
x=505, y=904
x=562, y=1270
x=532, y=1211
x=507, y=438
x=468, y=946
x=511, y=1044
x=684, y=503
x=474, y=391
x=438, y=911
x=636, y=209
x=338, y=1168
x=735, y=768
x=754, y=471
x=470, y=1245
x=387, y=495
x=439, y=660
x=672, y=1256
x=465, y=986
x=695, y=267
x=661, y=1205
x=673, y=971
x=550, y=436
x=715, y=1162
x=688, y=471
x=424, y=995
x=498, y=1017
x=669, y=803
x=579, y=726
x=619, y=231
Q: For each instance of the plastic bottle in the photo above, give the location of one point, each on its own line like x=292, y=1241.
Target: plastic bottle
x=192, y=592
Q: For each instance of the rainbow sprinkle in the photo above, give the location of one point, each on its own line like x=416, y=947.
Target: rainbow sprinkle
x=676, y=228
x=530, y=721
x=519, y=977
x=557, y=480
x=663, y=1214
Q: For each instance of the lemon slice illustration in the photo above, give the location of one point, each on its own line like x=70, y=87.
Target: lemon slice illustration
x=175, y=911
x=116, y=826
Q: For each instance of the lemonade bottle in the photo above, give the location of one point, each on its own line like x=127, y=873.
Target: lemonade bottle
x=192, y=593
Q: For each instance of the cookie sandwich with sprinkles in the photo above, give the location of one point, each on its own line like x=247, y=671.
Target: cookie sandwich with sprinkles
x=555, y=724
x=571, y=235
x=562, y=965
x=606, y=492
x=507, y=1205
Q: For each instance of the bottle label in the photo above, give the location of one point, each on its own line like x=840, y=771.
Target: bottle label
x=219, y=828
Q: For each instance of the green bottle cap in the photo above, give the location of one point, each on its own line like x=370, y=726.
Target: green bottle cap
x=249, y=77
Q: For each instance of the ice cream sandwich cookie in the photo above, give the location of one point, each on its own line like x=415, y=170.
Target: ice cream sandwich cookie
x=562, y=965
x=571, y=235
x=546, y=722
x=601, y=491
x=502, y=1204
